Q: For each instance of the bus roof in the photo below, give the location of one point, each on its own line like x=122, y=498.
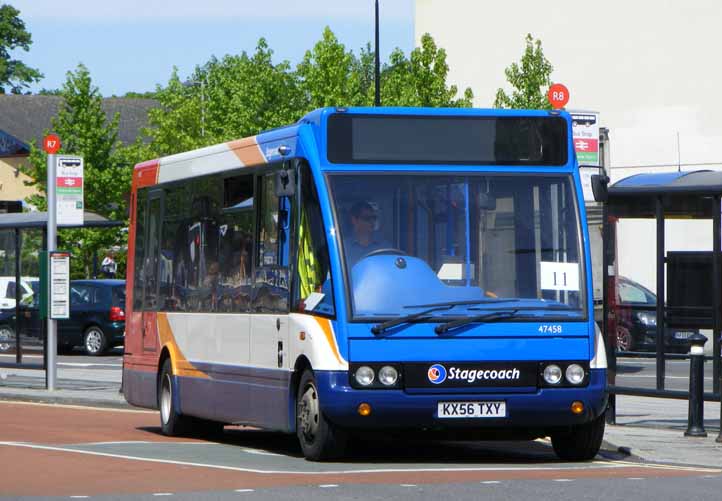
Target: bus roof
x=264, y=147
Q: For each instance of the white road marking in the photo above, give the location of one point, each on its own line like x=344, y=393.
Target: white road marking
x=600, y=464
x=328, y=486
x=491, y=482
x=244, y=490
x=408, y=485
x=563, y=480
x=163, y=494
x=635, y=478
x=83, y=407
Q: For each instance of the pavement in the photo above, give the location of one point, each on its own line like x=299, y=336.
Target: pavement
x=647, y=429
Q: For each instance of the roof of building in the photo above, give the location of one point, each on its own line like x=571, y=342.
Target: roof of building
x=25, y=118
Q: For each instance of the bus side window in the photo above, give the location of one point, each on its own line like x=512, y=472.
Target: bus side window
x=313, y=289
x=235, y=247
x=140, y=228
x=271, y=290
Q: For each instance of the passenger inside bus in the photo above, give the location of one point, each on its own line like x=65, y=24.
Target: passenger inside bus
x=363, y=238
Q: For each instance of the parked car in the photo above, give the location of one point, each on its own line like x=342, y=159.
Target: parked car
x=637, y=321
x=8, y=290
x=97, y=318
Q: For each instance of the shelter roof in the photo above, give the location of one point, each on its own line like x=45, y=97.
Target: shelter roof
x=683, y=194
x=40, y=220
x=701, y=182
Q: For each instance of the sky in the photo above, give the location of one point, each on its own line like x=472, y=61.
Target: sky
x=133, y=45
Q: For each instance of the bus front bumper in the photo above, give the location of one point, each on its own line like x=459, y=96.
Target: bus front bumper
x=544, y=408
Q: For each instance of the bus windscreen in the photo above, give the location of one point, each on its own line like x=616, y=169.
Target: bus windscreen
x=403, y=139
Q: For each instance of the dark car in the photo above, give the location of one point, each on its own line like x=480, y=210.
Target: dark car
x=97, y=318
x=637, y=321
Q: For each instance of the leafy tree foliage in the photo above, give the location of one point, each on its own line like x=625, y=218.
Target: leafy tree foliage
x=530, y=80
x=420, y=80
x=14, y=75
x=84, y=130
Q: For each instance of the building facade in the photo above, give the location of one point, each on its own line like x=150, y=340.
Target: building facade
x=648, y=67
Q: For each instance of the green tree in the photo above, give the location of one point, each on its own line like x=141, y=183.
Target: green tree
x=224, y=99
x=332, y=76
x=84, y=130
x=530, y=80
x=420, y=80
x=14, y=74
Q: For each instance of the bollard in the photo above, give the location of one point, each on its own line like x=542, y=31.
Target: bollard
x=695, y=417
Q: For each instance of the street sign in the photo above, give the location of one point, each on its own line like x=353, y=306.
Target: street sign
x=558, y=96
x=69, y=190
x=585, y=132
x=59, y=285
x=51, y=144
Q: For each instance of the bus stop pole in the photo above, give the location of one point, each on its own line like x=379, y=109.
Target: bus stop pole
x=52, y=344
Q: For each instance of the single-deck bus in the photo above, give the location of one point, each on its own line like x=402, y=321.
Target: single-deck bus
x=412, y=269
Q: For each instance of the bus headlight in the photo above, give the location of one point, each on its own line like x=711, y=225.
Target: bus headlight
x=388, y=375
x=552, y=374
x=364, y=375
x=575, y=374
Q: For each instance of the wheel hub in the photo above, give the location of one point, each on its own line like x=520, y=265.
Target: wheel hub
x=93, y=341
x=165, y=398
x=308, y=411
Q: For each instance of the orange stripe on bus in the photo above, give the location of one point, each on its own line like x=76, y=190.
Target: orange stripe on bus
x=181, y=366
x=247, y=151
x=325, y=325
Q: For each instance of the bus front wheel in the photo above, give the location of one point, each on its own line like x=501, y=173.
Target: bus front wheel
x=581, y=442
x=319, y=439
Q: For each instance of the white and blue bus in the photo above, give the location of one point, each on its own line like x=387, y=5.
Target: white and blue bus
x=410, y=269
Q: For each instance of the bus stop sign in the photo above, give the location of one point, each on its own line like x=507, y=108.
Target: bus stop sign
x=51, y=144
x=558, y=96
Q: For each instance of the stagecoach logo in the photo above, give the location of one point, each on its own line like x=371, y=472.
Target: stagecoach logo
x=437, y=373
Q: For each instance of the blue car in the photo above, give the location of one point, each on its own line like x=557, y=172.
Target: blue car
x=97, y=319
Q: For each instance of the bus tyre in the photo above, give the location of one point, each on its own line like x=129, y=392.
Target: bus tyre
x=320, y=440
x=581, y=442
x=172, y=422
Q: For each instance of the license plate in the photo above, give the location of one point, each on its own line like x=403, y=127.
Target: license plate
x=471, y=409
x=682, y=335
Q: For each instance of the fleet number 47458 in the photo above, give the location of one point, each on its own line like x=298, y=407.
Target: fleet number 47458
x=550, y=329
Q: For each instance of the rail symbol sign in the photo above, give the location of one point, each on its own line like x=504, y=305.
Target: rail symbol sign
x=558, y=96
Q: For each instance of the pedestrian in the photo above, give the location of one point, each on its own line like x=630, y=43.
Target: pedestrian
x=109, y=267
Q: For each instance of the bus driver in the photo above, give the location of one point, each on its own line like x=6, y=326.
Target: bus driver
x=362, y=238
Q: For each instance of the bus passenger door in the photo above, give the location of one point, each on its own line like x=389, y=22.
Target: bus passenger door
x=150, y=271
x=269, y=324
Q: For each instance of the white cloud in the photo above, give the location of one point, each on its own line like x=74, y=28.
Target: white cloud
x=109, y=10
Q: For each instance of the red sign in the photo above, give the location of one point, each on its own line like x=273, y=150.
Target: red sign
x=70, y=182
x=558, y=96
x=51, y=144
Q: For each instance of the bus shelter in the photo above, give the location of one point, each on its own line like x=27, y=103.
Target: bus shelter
x=23, y=335
x=641, y=323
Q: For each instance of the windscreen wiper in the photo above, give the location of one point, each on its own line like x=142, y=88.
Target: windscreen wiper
x=486, y=317
x=380, y=328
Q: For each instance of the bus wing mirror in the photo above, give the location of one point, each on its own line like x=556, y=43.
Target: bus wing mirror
x=599, y=187
x=285, y=183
